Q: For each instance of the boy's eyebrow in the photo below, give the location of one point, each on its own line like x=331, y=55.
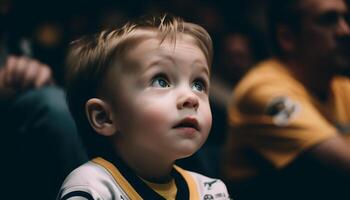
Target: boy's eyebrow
x=204, y=67
x=159, y=59
x=168, y=58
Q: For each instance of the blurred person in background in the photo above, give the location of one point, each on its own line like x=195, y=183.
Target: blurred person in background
x=290, y=116
x=234, y=57
x=39, y=141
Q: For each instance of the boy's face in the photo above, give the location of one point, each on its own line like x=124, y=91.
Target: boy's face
x=161, y=98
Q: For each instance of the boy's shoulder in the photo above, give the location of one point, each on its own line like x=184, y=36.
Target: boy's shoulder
x=78, y=175
x=208, y=188
x=89, y=180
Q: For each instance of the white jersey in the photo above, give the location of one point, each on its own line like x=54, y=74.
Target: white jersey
x=99, y=179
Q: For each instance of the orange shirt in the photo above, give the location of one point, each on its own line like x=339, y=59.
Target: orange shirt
x=273, y=118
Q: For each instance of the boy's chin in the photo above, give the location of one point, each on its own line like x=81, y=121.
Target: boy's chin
x=186, y=155
x=186, y=152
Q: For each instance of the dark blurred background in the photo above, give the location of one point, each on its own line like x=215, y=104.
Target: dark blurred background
x=51, y=25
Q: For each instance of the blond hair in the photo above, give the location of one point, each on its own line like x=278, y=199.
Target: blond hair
x=90, y=57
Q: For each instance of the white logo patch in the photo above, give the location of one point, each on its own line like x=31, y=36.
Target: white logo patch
x=282, y=110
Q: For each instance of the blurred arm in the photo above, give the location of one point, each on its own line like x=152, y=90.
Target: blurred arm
x=22, y=73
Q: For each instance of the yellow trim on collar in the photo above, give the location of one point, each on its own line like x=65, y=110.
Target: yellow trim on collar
x=192, y=186
x=119, y=178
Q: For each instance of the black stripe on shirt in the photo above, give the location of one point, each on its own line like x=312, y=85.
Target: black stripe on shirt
x=86, y=195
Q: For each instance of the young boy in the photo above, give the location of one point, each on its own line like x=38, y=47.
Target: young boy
x=139, y=95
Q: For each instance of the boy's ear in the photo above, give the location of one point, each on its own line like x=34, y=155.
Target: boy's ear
x=286, y=38
x=100, y=116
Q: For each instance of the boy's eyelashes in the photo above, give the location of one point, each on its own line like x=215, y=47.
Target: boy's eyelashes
x=162, y=81
x=199, y=85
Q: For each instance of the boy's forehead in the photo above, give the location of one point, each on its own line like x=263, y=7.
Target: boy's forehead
x=148, y=44
x=167, y=45
x=152, y=39
x=153, y=48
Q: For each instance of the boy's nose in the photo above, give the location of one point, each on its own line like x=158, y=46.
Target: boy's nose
x=188, y=100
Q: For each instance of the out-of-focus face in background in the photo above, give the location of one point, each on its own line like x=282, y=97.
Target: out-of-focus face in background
x=236, y=55
x=237, y=52
x=324, y=36
x=5, y=8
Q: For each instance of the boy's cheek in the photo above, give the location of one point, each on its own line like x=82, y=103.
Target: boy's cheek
x=207, y=118
x=152, y=115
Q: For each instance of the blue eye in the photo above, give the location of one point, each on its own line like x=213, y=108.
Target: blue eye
x=160, y=82
x=199, y=86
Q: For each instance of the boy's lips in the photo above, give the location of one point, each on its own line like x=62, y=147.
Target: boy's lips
x=188, y=122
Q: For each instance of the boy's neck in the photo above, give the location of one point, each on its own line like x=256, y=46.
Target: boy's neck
x=150, y=168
